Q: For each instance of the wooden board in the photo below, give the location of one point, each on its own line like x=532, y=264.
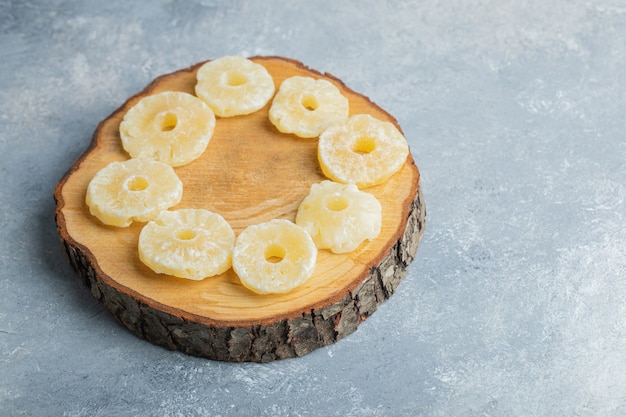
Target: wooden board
x=249, y=173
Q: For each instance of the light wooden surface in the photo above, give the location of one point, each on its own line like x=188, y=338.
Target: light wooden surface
x=249, y=173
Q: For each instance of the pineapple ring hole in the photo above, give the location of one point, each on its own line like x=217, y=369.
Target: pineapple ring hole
x=364, y=145
x=137, y=183
x=166, y=121
x=185, y=234
x=336, y=203
x=274, y=253
x=235, y=79
x=310, y=102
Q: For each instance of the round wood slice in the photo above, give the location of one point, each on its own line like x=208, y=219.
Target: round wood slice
x=249, y=173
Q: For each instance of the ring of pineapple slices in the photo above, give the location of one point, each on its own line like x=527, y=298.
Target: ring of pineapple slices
x=171, y=127
x=133, y=190
x=250, y=173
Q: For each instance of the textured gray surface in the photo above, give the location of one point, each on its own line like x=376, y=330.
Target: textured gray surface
x=515, y=113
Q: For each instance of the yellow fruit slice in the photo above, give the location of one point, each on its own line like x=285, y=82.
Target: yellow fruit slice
x=233, y=86
x=133, y=190
x=171, y=127
x=339, y=217
x=187, y=243
x=274, y=257
x=305, y=106
x=363, y=150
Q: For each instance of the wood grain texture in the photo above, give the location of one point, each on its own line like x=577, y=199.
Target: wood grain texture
x=249, y=173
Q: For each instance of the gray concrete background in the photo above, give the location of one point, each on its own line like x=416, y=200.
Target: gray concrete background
x=515, y=113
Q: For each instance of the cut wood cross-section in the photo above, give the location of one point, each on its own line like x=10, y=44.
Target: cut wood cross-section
x=249, y=173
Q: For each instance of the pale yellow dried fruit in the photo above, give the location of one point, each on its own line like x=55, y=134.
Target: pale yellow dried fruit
x=362, y=150
x=133, y=190
x=306, y=106
x=172, y=127
x=234, y=86
x=274, y=257
x=187, y=243
x=339, y=217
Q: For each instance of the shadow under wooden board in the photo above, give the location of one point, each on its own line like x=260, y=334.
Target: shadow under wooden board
x=249, y=173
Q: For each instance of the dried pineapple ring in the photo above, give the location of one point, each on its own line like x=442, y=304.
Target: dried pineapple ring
x=233, y=86
x=305, y=106
x=133, y=190
x=187, y=243
x=274, y=257
x=339, y=217
x=363, y=150
x=171, y=127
